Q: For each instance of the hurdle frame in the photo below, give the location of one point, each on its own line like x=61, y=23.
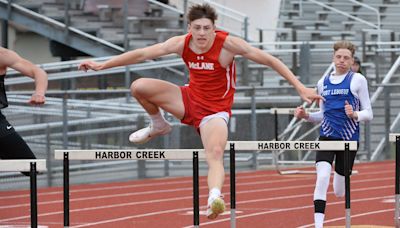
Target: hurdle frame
x=27, y=165
x=172, y=154
x=347, y=146
x=395, y=137
x=276, y=154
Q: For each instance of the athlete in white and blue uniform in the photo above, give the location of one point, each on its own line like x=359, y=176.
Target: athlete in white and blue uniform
x=335, y=122
x=346, y=104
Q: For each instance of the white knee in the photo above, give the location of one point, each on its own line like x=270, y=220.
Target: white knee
x=322, y=183
x=338, y=185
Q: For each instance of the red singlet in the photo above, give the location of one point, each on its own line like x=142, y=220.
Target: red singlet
x=211, y=87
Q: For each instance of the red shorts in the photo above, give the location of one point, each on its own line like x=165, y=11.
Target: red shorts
x=194, y=112
x=192, y=116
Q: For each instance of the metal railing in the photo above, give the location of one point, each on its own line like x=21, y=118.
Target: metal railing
x=378, y=26
x=64, y=26
x=374, y=98
x=238, y=21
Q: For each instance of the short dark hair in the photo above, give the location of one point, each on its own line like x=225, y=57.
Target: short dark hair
x=357, y=60
x=198, y=11
x=344, y=44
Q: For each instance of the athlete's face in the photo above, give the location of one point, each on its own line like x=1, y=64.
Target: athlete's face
x=343, y=60
x=203, y=31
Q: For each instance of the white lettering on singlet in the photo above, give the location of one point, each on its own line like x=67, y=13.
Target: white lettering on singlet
x=335, y=92
x=201, y=66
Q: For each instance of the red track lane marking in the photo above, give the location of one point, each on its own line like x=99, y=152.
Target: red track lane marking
x=352, y=216
x=75, y=199
x=283, y=210
x=21, y=226
x=203, y=207
x=166, y=181
x=96, y=188
x=130, y=217
x=286, y=197
x=189, y=197
x=181, y=189
x=221, y=220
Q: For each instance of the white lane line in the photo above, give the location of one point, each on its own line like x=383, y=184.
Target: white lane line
x=284, y=210
x=76, y=199
x=189, y=198
x=352, y=216
x=164, y=181
x=133, y=185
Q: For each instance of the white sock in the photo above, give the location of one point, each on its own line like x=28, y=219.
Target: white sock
x=158, y=120
x=319, y=220
x=214, y=193
x=338, y=185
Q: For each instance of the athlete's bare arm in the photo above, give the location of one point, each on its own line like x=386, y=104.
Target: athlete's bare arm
x=173, y=45
x=11, y=59
x=238, y=46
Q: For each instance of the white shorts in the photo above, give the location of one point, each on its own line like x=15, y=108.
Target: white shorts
x=223, y=115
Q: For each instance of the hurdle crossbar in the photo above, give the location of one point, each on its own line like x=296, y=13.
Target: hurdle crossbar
x=132, y=154
x=290, y=111
x=345, y=146
x=292, y=145
x=22, y=165
x=392, y=137
x=395, y=137
x=27, y=165
x=285, y=111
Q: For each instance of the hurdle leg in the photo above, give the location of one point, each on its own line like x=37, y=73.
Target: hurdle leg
x=66, y=189
x=397, y=181
x=196, y=217
x=347, y=183
x=33, y=183
x=233, y=184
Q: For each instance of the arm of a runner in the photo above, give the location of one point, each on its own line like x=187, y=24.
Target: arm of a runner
x=238, y=46
x=25, y=67
x=317, y=117
x=359, y=87
x=173, y=45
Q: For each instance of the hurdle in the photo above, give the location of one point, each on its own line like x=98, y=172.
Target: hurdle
x=132, y=154
x=27, y=165
x=289, y=111
x=395, y=137
x=345, y=146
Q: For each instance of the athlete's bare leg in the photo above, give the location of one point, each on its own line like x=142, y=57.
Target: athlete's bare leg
x=214, y=135
x=154, y=94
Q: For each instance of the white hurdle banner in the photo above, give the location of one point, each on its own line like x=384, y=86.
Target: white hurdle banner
x=27, y=165
x=395, y=137
x=130, y=154
x=292, y=145
x=186, y=154
x=392, y=137
x=133, y=154
x=22, y=165
x=345, y=146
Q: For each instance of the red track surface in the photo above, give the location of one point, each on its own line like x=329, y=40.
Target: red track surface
x=264, y=199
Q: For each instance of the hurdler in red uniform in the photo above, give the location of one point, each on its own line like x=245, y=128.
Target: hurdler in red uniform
x=206, y=102
x=211, y=86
